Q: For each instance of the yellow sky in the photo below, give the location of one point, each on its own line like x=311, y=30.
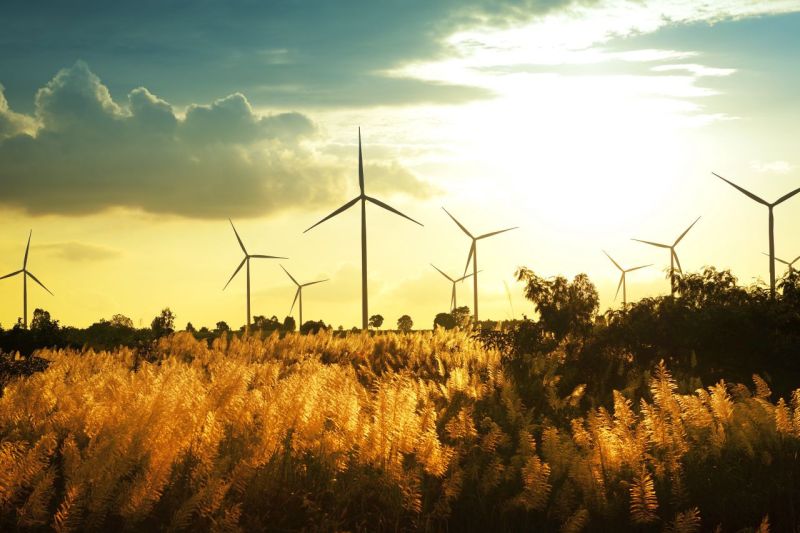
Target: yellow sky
x=580, y=161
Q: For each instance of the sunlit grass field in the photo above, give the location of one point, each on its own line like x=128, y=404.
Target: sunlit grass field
x=417, y=431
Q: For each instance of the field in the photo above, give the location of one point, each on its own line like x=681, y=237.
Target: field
x=417, y=431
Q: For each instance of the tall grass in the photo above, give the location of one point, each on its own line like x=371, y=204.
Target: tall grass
x=424, y=431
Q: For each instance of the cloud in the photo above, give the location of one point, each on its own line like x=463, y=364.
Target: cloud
x=78, y=251
x=771, y=167
x=11, y=123
x=89, y=153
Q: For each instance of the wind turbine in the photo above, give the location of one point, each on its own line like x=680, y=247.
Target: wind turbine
x=473, y=254
x=453, y=304
x=299, y=293
x=622, y=280
x=246, y=260
x=770, y=206
x=790, y=264
x=673, y=256
x=363, y=198
x=25, y=273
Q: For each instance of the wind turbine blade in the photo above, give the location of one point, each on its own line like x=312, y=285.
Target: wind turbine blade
x=467, y=276
x=12, y=274
x=390, y=208
x=442, y=273
x=743, y=191
x=345, y=207
x=794, y=260
x=27, y=247
x=296, y=294
x=459, y=223
x=234, y=273
x=652, y=243
x=40, y=283
x=637, y=268
x=360, y=164
x=685, y=232
x=677, y=261
x=469, y=257
x=786, y=196
x=290, y=276
x=314, y=282
x=492, y=234
x=778, y=259
x=621, y=279
x=237, y=237
x=268, y=256
x=612, y=260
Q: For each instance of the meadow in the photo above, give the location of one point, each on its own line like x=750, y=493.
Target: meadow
x=435, y=431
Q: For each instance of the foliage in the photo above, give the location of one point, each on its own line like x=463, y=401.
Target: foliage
x=429, y=430
x=375, y=321
x=164, y=323
x=564, y=307
x=444, y=321
x=404, y=323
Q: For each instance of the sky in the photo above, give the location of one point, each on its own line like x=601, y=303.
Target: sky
x=131, y=132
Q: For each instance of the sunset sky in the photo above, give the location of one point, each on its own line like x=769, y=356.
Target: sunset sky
x=130, y=132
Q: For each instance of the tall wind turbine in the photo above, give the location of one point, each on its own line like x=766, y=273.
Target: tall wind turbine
x=770, y=206
x=299, y=294
x=790, y=264
x=453, y=304
x=25, y=273
x=622, y=280
x=363, y=198
x=473, y=254
x=246, y=260
x=673, y=256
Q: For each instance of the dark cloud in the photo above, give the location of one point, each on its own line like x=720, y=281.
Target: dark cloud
x=90, y=153
x=310, y=53
x=78, y=251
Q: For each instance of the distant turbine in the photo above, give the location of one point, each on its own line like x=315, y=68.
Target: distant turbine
x=453, y=304
x=622, y=280
x=299, y=294
x=25, y=273
x=770, y=206
x=246, y=259
x=790, y=264
x=363, y=198
x=473, y=254
x=673, y=256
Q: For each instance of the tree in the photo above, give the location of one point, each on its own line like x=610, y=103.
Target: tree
x=164, y=323
x=444, y=320
x=190, y=327
x=222, y=327
x=563, y=307
x=404, y=323
x=289, y=324
x=310, y=326
x=376, y=321
x=462, y=316
x=42, y=322
x=121, y=321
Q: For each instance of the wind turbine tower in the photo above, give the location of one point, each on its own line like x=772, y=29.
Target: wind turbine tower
x=453, y=303
x=299, y=294
x=673, y=256
x=25, y=273
x=246, y=260
x=770, y=207
x=473, y=255
x=363, y=198
x=622, y=280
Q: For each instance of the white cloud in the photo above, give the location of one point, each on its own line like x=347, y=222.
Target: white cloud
x=82, y=153
x=771, y=167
